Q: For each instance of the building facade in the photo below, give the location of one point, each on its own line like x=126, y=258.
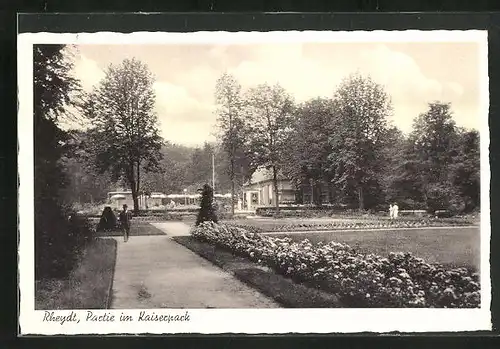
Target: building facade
x=259, y=192
x=118, y=198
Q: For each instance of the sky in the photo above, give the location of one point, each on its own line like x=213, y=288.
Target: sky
x=413, y=74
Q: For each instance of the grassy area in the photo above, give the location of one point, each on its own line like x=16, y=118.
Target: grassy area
x=138, y=228
x=283, y=290
x=88, y=285
x=453, y=247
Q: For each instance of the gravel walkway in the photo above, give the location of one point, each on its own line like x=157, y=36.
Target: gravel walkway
x=155, y=272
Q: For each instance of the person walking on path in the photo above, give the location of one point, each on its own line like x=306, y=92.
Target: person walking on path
x=125, y=217
x=391, y=211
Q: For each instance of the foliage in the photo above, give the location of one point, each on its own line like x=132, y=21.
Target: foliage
x=401, y=280
x=268, y=111
x=58, y=240
x=465, y=171
x=107, y=220
x=199, y=168
x=173, y=174
x=61, y=236
x=125, y=135
x=443, y=161
x=207, y=209
x=233, y=130
x=306, y=161
x=360, y=135
x=189, y=167
x=86, y=184
x=54, y=87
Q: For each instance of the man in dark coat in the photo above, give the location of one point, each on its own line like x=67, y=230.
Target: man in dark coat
x=125, y=217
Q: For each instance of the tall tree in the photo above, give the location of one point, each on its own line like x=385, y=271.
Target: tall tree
x=53, y=92
x=232, y=129
x=358, y=140
x=400, y=176
x=466, y=169
x=307, y=157
x=434, y=136
x=125, y=130
x=433, y=143
x=269, y=113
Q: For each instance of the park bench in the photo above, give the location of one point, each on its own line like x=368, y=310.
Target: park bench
x=418, y=213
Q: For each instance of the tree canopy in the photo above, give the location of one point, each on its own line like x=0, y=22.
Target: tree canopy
x=233, y=130
x=56, y=247
x=125, y=135
x=357, y=143
x=269, y=114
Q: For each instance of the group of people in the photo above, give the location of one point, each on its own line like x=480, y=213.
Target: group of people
x=393, y=211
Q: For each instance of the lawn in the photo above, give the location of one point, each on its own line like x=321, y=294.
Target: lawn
x=449, y=246
x=138, y=228
x=87, y=286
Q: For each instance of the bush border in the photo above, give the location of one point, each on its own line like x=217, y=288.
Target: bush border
x=320, y=298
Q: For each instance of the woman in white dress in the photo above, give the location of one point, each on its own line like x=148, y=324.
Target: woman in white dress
x=395, y=209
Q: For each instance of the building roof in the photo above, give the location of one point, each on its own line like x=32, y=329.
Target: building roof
x=157, y=196
x=263, y=175
x=154, y=195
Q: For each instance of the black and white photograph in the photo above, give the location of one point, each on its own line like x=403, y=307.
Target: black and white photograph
x=193, y=182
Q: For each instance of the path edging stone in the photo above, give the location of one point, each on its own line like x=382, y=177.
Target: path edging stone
x=109, y=296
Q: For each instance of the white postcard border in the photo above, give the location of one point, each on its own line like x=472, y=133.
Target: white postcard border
x=250, y=321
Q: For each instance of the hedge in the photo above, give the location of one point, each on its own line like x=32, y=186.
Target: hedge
x=60, y=238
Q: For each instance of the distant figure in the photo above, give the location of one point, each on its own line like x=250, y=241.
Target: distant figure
x=395, y=209
x=125, y=217
x=391, y=211
x=107, y=221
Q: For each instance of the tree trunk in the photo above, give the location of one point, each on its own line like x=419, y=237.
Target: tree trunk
x=312, y=191
x=134, y=186
x=275, y=185
x=319, y=192
x=232, y=186
x=329, y=191
x=136, y=206
x=135, y=197
x=361, y=198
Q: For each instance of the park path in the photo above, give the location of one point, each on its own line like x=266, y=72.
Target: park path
x=155, y=272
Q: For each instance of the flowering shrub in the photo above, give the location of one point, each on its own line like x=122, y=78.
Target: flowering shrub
x=401, y=280
x=344, y=225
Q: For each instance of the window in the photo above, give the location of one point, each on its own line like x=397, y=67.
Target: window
x=255, y=198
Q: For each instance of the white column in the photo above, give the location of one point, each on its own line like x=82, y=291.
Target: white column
x=249, y=200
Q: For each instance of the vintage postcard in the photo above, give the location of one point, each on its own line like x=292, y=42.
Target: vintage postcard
x=253, y=182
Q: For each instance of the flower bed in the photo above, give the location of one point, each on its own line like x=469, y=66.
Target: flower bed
x=343, y=225
x=401, y=280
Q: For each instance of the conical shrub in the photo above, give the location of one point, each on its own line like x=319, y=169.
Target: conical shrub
x=207, y=209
